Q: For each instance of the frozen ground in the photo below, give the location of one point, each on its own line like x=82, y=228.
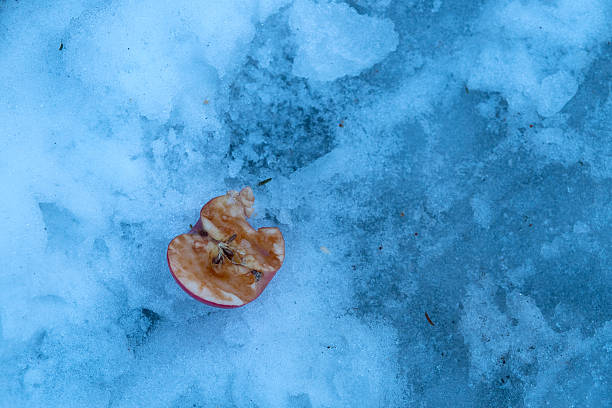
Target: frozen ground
x=453, y=158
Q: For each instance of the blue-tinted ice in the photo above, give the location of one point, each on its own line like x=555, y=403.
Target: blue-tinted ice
x=426, y=156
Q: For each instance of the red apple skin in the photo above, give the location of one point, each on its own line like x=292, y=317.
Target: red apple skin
x=265, y=279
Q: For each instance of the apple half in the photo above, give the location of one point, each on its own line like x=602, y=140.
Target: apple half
x=223, y=261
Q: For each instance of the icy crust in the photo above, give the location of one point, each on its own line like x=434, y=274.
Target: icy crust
x=223, y=260
x=334, y=40
x=485, y=131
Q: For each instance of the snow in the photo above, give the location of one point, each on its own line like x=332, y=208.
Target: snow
x=334, y=40
x=425, y=156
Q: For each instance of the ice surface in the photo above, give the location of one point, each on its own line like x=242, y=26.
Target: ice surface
x=333, y=40
x=443, y=157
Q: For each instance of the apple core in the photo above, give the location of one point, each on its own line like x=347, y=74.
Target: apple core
x=223, y=261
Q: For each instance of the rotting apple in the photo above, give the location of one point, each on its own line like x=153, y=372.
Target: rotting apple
x=223, y=261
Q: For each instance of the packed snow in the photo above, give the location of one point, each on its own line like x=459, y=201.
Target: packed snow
x=426, y=156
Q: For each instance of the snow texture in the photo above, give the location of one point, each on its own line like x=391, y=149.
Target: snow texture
x=426, y=156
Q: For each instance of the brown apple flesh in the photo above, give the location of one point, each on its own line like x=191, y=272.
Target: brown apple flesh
x=223, y=261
